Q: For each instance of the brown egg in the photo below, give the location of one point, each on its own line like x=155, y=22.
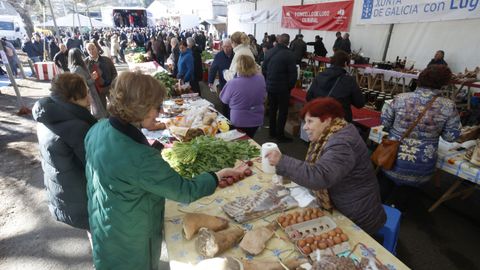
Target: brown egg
x=313, y=216
x=322, y=245
x=300, y=219
x=307, y=250
x=288, y=217
x=306, y=217
x=302, y=243
x=310, y=240
x=293, y=221
x=318, y=238
x=285, y=224
x=332, y=233
x=313, y=247
x=330, y=242
x=344, y=237
x=337, y=240
x=324, y=235
x=338, y=230
x=295, y=214
x=320, y=213
x=281, y=219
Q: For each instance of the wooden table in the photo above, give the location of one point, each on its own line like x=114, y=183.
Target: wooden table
x=376, y=75
x=182, y=252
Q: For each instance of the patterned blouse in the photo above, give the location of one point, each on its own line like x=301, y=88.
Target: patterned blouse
x=417, y=155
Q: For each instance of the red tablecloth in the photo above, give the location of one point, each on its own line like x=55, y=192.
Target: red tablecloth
x=217, y=45
x=322, y=59
x=360, y=65
x=365, y=117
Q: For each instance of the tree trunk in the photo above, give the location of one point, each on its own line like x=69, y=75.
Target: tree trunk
x=24, y=14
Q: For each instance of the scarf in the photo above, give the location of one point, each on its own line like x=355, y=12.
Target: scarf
x=314, y=152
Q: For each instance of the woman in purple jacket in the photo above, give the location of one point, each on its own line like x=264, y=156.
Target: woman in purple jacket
x=337, y=167
x=245, y=95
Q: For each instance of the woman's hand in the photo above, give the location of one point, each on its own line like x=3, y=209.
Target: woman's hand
x=274, y=157
x=237, y=172
x=94, y=75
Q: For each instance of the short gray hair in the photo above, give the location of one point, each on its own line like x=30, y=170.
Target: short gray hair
x=190, y=41
x=226, y=40
x=174, y=40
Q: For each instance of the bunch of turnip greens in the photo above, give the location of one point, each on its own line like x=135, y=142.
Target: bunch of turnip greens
x=205, y=153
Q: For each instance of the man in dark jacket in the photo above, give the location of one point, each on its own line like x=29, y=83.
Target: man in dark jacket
x=346, y=45
x=335, y=82
x=222, y=61
x=61, y=58
x=338, y=42
x=438, y=59
x=74, y=42
x=299, y=48
x=318, y=46
x=53, y=48
x=201, y=40
x=37, y=46
x=281, y=74
x=197, y=65
x=27, y=47
x=176, y=55
x=104, y=72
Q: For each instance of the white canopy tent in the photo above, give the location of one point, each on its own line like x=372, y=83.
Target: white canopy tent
x=72, y=20
x=416, y=40
x=157, y=10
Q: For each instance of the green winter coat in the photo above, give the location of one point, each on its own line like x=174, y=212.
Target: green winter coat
x=127, y=186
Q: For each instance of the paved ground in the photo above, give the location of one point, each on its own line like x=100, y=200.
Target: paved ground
x=31, y=239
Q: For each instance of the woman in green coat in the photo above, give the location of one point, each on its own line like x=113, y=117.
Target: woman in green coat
x=128, y=180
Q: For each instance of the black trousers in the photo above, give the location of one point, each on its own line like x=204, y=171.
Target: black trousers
x=195, y=86
x=278, y=112
x=403, y=197
x=250, y=131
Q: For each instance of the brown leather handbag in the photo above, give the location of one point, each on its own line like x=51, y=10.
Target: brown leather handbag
x=386, y=153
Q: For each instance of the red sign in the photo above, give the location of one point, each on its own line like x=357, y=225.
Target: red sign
x=330, y=16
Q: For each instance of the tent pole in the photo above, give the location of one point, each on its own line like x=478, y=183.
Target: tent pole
x=255, y=24
x=78, y=16
x=54, y=20
x=387, y=45
x=89, y=18
x=300, y=30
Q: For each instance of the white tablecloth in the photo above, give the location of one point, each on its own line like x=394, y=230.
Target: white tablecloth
x=390, y=73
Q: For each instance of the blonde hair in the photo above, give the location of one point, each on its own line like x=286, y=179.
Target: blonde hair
x=89, y=44
x=133, y=95
x=240, y=38
x=246, y=66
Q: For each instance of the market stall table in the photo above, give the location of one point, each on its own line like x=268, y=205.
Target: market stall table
x=378, y=75
x=354, y=70
x=146, y=67
x=182, y=252
x=451, y=160
x=363, y=116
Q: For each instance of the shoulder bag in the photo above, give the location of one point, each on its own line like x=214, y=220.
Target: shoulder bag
x=386, y=153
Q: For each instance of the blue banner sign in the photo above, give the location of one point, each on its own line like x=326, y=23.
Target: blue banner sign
x=407, y=11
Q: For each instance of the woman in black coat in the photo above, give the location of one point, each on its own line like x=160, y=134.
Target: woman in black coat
x=63, y=121
x=335, y=82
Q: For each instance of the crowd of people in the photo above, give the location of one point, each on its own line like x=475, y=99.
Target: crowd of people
x=103, y=176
